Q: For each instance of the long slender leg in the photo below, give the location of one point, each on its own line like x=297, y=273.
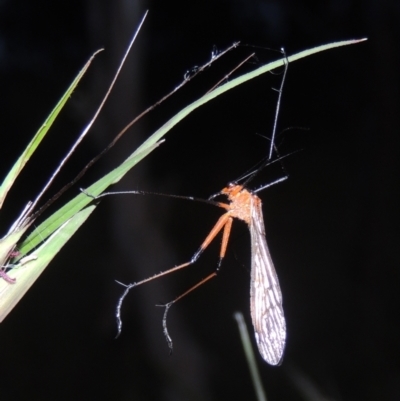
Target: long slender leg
x=225, y=238
x=169, y=304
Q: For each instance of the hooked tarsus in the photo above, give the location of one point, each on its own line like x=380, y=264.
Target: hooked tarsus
x=119, y=305
x=128, y=287
x=164, y=324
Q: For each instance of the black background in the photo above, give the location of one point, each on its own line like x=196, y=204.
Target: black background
x=332, y=227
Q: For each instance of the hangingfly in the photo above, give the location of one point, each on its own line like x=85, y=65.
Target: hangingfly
x=265, y=293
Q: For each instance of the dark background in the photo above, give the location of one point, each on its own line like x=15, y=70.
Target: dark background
x=332, y=227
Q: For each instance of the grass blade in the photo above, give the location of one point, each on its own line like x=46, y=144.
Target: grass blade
x=41, y=133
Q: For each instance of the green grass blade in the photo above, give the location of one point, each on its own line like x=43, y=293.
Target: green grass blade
x=36, y=140
x=238, y=81
x=250, y=357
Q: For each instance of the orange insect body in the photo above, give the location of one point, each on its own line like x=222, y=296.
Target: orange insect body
x=241, y=201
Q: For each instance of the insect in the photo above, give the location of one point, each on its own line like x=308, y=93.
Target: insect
x=265, y=293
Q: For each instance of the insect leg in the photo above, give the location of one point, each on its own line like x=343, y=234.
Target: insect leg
x=222, y=222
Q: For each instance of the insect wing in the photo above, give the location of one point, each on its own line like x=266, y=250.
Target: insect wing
x=265, y=293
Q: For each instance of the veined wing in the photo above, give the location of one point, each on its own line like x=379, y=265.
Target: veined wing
x=265, y=293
